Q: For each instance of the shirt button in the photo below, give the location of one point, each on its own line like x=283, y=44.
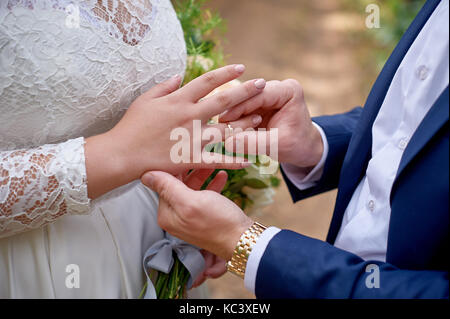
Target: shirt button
x=403, y=143
x=422, y=72
x=371, y=205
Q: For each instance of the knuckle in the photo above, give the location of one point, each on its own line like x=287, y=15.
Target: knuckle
x=211, y=78
x=164, y=191
x=230, y=71
x=249, y=88
x=223, y=99
x=190, y=211
x=294, y=84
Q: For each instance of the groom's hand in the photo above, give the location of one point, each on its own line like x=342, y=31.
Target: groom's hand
x=203, y=218
x=215, y=266
x=282, y=106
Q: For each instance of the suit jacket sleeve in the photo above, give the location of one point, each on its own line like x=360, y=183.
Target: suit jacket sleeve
x=338, y=130
x=315, y=269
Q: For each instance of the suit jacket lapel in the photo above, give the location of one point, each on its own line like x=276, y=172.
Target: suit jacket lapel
x=359, y=151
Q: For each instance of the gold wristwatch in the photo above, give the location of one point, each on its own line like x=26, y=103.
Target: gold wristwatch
x=244, y=247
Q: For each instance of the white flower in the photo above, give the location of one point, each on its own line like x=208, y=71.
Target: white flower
x=260, y=197
x=205, y=63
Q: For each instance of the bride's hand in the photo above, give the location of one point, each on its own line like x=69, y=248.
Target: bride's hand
x=141, y=141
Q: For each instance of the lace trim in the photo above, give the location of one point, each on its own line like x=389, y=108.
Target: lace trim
x=126, y=19
x=40, y=185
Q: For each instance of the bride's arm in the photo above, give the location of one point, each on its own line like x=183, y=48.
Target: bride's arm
x=39, y=185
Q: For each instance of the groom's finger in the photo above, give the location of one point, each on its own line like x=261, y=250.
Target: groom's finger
x=169, y=188
x=275, y=95
x=208, y=82
x=251, y=121
x=224, y=100
x=252, y=143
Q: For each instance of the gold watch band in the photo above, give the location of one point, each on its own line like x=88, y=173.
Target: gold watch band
x=244, y=247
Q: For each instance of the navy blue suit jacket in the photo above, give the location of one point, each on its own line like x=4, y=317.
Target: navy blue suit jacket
x=295, y=266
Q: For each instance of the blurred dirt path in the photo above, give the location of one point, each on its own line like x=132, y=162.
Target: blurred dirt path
x=310, y=41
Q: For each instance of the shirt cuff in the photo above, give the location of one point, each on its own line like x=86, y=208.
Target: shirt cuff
x=297, y=174
x=258, y=250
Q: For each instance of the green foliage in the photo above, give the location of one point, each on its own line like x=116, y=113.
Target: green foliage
x=395, y=17
x=202, y=31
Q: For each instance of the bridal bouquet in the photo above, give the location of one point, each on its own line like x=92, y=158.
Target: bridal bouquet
x=246, y=187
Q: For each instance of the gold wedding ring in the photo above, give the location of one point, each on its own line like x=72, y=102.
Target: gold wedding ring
x=230, y=128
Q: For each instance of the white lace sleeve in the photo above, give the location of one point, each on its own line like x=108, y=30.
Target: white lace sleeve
x=39, y=185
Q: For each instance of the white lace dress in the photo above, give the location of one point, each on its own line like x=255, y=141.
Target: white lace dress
x=69, y=70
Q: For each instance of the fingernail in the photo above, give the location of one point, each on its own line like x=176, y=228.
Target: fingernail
x=240, y=68
x=260, y=84
x=148, y=179
x=257, y=119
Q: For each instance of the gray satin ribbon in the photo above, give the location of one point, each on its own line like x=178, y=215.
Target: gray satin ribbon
x=159, y=257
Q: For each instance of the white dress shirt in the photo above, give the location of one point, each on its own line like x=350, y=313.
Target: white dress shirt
x=420, y=79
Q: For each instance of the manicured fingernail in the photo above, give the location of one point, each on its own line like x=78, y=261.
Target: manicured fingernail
x=240, y=68
x=256, y=119
x=260, y=84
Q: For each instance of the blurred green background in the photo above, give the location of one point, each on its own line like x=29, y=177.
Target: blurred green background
x=396, y=16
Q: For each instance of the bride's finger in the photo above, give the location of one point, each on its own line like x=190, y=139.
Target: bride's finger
x=218, y=183
x=248, y=143
x=218, y=268
x=208, y=82
x=164, y=88
x=251, y=121
x=219, y=161
x=185, y=174
x=222, y=101
x=197, y=178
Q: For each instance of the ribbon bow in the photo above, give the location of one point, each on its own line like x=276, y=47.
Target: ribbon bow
x=159, y=257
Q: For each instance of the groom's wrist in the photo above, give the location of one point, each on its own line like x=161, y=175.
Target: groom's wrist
x=312, y=149
x=243, y=248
